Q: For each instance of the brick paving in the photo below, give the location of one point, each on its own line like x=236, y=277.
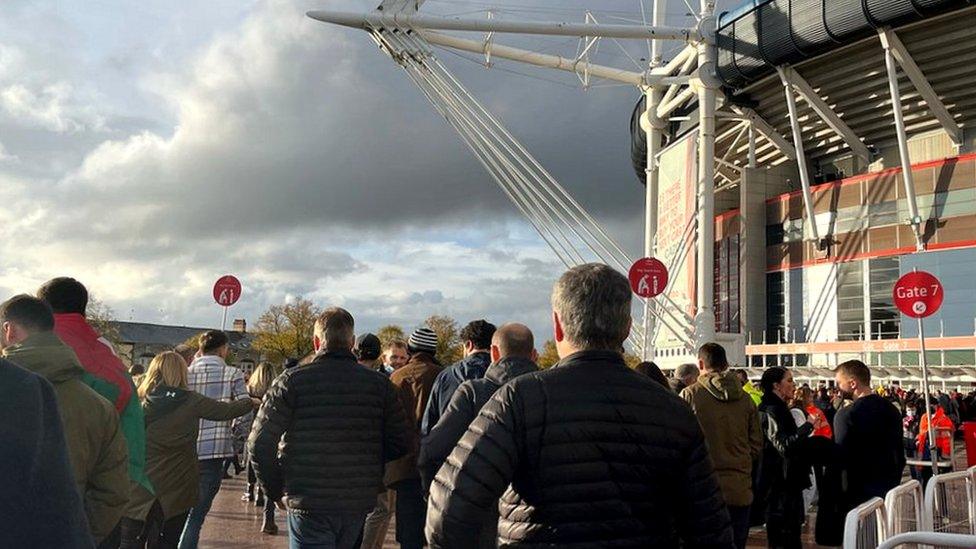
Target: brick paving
x=235, y=523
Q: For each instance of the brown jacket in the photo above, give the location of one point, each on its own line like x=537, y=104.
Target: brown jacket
x=413, y=383
x=730, y=422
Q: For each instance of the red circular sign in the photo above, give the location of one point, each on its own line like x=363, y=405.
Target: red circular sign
x=227, y=290
x=648, y=277
x=918, y=294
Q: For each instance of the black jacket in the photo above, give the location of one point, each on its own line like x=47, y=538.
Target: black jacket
x=448, y=380
x=587, y=453
x=869, y=433
x=785, y=471
x=38, y=500
x=464, y=406
x=338, y=424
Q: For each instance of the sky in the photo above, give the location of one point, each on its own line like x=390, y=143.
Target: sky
x=147, y=148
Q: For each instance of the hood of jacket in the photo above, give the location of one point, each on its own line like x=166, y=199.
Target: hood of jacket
x=162, y=400
x=95, y=354
x=509, y=368
x=472, y=366
x=724, y=386
x=46, y=355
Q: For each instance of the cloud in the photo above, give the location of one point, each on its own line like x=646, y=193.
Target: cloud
x=290, y=153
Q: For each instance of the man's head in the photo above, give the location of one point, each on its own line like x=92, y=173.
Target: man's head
x=687, y=374
x=213, y=343
x=743, y=376
x=853, y=379
x=334, y=330
x=368, y=348
x=477, y=336
x=711, y=358
x=22, y=316
x=396, y=354
x=513, y=341
x=64, y=295
x=590, y=309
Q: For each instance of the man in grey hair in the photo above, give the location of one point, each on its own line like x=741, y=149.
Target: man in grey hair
x=588, y=452
x=684, y=376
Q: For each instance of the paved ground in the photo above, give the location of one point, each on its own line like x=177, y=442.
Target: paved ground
x=237, y=524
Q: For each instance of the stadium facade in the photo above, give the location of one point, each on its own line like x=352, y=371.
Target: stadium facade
x=813, y=294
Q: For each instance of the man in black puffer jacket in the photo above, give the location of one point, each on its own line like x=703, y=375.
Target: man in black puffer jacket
x=588, y=453
x=338, y=424
x=512, y=354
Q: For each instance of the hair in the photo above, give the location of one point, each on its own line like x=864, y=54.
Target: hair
x=514, y=340
x=713, y=357
x=167, y=368
x=137, y=370
x=857, y=370
x=395, y=344
x=685, y=370
x=186, y=351
x=770, y=377
x=479, y=333
x=29, y=312
x=260, y=381
x=336, y=329
x=802, y=395
x=593, y=305
x=742, y=375
x=211, y=340
x=64, y=295
x=652, y=371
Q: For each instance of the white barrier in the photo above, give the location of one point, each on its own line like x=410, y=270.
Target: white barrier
x=936, y=539
x=903, y=505
x=949, y=503
x=866, y=526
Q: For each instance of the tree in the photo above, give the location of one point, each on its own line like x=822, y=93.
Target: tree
x=102, y=318
x=449, y=346
x=285, y=331
x=390, y=332
x=548, y=356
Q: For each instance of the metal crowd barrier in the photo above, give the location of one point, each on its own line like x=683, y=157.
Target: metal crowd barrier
x=933, y=539
x=950, y=503
x=903, y=505
x=866, y=525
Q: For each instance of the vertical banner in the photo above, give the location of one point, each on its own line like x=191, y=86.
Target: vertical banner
x=676, y=236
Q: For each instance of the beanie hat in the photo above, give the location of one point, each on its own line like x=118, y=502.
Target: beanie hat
x=422, y=340
x=367, y=347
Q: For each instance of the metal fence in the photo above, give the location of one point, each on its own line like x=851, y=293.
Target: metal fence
x=903, y=505
x=949, y=503
x=866, y=525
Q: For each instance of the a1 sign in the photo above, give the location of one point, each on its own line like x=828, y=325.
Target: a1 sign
x=918, y=294
x=648, y=277
x=227, y=290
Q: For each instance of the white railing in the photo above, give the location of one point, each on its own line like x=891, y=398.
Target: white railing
x=933, y=539
x=866, y=526
x=949, y=503
x=903, y=505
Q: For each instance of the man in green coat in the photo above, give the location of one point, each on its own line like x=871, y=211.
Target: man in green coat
x=96, y=447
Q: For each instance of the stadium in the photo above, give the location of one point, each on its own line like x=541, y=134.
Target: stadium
x=811, y=294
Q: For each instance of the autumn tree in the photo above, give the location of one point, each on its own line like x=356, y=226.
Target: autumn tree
x=449, y=346
x=390, y=332
x=285, y=331
x=548, y=356
x=102, y=318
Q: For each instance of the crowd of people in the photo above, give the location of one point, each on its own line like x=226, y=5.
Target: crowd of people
x=489, y=451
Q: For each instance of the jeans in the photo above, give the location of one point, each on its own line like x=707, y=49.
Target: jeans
x=740, y=525
x=321, y=531
x=211, y=475
x=411, y=514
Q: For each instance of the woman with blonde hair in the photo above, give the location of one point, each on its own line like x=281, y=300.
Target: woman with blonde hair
x=257, y=385
x=173, y=416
